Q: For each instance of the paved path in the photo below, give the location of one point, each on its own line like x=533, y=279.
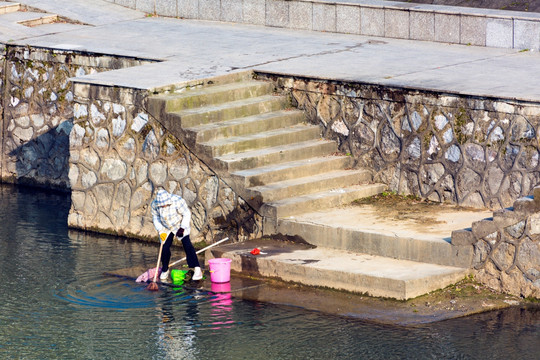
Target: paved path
x=197, y=49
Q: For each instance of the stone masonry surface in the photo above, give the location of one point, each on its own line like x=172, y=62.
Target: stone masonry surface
x=507, y=248
x=37, y=105
x=470, y=151
x=120, y=156
x=115, y=159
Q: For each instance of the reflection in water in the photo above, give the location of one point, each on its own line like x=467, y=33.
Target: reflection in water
x=55, y=302
x=222, y=305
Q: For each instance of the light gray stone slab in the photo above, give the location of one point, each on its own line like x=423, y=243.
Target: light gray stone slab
x=166, y=8
x=231, y=10
x=348, y=19
x=277, y=13
x=398, y=5
x=146, y=6
x=324, y=17
x=188, y=9
x=301, y=15
x=447, y=28
x=422, y=25
x=396, y=23
x=372, y=21
x=473, y=30
x=127, y=3
x=254, y=12
x=499, y=33
x=209, y=10
x=526, y=34
x=216, y=48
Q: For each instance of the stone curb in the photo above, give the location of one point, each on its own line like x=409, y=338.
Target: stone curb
x=448, y=24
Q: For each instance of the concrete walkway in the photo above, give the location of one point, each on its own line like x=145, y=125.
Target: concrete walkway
x=197, y=49
x=187, y=50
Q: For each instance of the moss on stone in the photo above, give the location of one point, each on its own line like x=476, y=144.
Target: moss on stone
x=460, y=122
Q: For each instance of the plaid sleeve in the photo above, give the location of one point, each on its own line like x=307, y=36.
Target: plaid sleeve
x=156, y=219
x=184, y=211
x=186, y=215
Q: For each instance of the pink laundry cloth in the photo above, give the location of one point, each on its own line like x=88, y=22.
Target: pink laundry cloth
x=148, y=275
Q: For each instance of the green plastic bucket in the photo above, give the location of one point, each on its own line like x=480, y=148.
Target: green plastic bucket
x=178, y=276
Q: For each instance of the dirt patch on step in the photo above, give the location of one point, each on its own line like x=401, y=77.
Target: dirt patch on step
x=392, y=206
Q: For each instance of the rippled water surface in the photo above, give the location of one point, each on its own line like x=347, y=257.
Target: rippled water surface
x=55, y=303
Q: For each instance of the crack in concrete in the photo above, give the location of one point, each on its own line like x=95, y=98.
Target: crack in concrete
x=453, y=65
x=322, y=53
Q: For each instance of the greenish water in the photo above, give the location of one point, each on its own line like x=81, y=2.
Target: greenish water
x=55, y=303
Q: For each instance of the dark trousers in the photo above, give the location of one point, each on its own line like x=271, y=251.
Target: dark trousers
x=191, y=255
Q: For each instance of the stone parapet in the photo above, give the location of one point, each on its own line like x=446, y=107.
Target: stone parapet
x=448, y=24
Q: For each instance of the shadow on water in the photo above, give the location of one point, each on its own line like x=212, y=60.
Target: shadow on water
x=56, y=302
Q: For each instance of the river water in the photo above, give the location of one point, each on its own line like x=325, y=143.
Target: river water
x=55, y=303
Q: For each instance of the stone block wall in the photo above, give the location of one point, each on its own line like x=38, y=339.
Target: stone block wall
x=100, y=144
x=506, y=248
x=469, y=151
x=402, y=20
x=37, y=108
x=120, y=156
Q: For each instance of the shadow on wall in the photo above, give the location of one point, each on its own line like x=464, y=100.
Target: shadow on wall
x=42, y=160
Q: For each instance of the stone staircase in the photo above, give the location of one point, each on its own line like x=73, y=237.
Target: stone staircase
x=262, y=147
x=267, y=152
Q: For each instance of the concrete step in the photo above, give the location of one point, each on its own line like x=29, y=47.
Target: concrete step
x=216, y=94
x=484, y=227
x=321, y=200
x=246, y=125
x=527, y=204
x=282, y=136
x=231, y=110
x=366, y=229
x=506, y=217
x=277, y=154
x=9, y=7
x=338, y=269
x=58, y=27
x=309, y=184
x=29, y=18
x=157, y=103
x=290, y=170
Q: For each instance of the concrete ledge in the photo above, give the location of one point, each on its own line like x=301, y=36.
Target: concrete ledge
x=448, y=24
x=361, y=229
x=340, y=270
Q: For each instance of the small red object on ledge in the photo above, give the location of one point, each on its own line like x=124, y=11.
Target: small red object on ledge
x=255, y=251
